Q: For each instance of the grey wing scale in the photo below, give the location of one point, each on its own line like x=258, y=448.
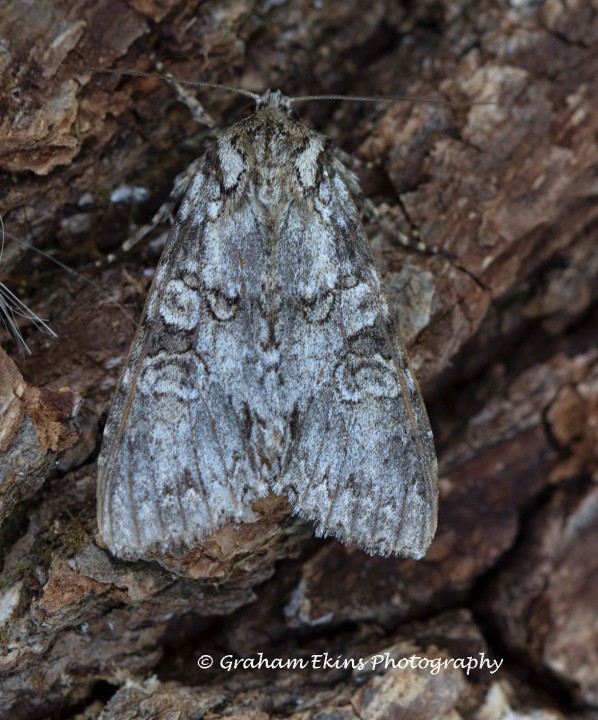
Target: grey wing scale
x=179, y=454
x=266, y=360
x=360, y=459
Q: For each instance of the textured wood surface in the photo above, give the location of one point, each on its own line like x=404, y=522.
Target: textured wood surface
x=503, y=342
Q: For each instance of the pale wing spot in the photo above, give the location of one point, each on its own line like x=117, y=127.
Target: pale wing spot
x=214, y=209
x=358, y=378
x=204, y=188
x=325, y=191
x=232, y=163
x=222, y=308
x=307, y=162
x=317, y=309
x=179, y=305
x=189, y=204
x=349, y=280
x=175, y=375
x=360, y=308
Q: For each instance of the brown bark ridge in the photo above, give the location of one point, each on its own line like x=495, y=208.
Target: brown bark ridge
x=37, y=425
x=503, y=342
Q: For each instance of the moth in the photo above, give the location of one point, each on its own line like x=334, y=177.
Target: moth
x=266, y=361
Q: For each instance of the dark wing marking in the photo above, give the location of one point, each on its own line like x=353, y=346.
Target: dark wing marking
x=360, y=458
x=181, y=452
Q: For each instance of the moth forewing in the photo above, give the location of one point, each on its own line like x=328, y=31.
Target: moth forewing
x=267, y=360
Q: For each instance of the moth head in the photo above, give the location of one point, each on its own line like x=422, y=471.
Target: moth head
x=274, y=99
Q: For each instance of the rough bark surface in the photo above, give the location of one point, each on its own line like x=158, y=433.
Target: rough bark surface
x=503, y=342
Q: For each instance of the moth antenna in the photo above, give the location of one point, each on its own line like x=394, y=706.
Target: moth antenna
x=168, y=78
x=292, y=100
x=388, y=98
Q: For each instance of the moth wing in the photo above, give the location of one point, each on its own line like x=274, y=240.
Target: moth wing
x=179, y=454
x=360, y=459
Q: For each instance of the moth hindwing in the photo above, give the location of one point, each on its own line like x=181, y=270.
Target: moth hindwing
x=266, y=360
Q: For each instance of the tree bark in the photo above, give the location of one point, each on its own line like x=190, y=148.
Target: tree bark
x=503, y=341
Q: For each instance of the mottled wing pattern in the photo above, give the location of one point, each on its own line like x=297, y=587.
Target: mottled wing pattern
x=179, y=456
x=266, y=359
x=360, y=459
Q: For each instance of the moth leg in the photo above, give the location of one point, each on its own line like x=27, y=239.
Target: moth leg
x=412, y=242
x=351, y=161
x=166, y=212
x=369, y=211
x=200, y=115
x=390, y=229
